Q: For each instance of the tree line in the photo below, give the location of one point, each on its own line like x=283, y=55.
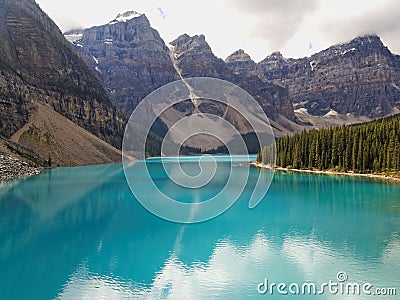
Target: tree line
x=372, y=147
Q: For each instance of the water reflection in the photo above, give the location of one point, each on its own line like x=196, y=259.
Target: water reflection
x=233, y=271
x=78, y=233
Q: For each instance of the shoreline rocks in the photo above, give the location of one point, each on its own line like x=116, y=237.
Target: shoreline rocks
x=14, y=168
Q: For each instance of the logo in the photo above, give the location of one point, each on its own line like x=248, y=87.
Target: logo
x=198, y=107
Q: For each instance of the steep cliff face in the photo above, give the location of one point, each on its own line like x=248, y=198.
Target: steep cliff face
x=37, y=64
x=358, y=78
x=128, y=56
x=194, y=58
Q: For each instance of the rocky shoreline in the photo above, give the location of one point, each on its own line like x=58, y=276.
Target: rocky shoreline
x=375, y=176
x=14, y=168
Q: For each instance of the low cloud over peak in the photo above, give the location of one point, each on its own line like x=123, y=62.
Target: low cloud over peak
x=276, y=20
x=383, y=21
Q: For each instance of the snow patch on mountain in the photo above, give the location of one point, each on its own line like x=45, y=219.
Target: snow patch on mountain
x=126, y=16
x=331, y=113
x=73, y=37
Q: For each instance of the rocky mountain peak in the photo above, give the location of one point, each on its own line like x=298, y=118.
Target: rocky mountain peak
x=371, y=39
x=125, y=28
x=185, y=43
x=275, y=57
x=128, y=56
x=357, y=78
x=238, y=55
x=183, y=38
x=276, y=54
x=240, y=62
x=359, y=45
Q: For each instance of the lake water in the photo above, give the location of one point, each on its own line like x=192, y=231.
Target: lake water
x=78, y=233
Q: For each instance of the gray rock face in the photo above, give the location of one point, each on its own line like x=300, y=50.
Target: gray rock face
x=128, y=56
x=241, y=63
x=131, y=60
x=38, y=64
x=194, y=58
x=361, y=78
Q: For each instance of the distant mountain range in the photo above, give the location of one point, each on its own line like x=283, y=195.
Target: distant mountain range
x=131, y=60
x=360, y=78
x=61, y=99
x=347, y=83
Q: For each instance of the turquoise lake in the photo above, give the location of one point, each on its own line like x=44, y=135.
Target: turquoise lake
x=79, y=233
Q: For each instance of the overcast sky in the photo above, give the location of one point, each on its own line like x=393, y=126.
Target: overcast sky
x=297, y=28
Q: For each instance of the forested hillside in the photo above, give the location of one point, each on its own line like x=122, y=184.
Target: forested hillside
x=364, y=148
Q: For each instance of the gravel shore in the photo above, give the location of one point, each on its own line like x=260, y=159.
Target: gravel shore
x=376, y=176
x=14, y=168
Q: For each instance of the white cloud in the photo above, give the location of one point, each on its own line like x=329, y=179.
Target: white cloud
x=276, y=20
x=382, y=18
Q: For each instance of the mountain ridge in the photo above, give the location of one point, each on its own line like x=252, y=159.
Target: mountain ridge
x=347, y=96
x=355, y=79
x=196, y=59
x=131, y=60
